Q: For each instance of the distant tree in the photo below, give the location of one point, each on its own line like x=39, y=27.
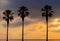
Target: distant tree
x=8, y=16
x=23, y=12
x=47, y=13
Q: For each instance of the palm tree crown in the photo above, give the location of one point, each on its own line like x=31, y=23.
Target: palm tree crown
x=23, y=12
x=8, y=15
x=47, y=11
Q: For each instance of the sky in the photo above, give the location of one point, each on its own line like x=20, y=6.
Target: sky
x=35, y=25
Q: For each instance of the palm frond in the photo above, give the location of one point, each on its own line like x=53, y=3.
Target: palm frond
x=50, y=15
x=23, y=12
x=23, y=8
x=11, y=18
x=27, y=13
x=8, y=12
x=4, y=17
x=43, y=14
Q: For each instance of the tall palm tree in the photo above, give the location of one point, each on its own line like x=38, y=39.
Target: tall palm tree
x=23, y=12
x=8, y=16
x=47, y=13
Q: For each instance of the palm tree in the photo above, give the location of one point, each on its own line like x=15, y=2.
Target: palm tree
x=47, y=13
x=23, y=12
x=8, y=16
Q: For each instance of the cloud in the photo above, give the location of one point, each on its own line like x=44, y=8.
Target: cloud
x=54, y=25
x=32, y=29
x=18, y=22
x=56, y=31
x=3, y=3
x=54, y=22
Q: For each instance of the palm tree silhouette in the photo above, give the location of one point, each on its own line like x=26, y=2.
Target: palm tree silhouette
x=47, y=13
x=8, y=16
x=23, y=12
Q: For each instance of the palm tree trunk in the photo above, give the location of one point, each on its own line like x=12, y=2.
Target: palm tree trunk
x=47, y=25
x=7, y=30
x=47, y=31
x=22, y=29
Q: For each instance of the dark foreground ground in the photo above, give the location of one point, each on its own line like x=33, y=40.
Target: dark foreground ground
x=30, y=40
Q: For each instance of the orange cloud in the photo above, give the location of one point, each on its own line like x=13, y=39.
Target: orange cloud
x=35, y=30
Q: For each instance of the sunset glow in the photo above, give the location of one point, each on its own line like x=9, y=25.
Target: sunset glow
x=35, y=30
x=34, y=23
